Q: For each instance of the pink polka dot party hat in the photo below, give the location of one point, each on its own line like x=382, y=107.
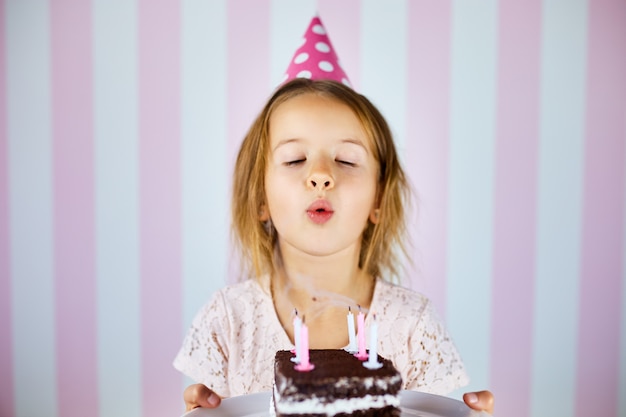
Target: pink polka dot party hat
x=316, y=58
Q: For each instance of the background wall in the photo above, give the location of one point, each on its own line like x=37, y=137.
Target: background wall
x=119, y=121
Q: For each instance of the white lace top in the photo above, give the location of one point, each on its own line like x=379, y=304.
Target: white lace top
x=231, y=344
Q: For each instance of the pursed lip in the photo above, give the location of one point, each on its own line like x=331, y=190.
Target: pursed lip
x=320, y=211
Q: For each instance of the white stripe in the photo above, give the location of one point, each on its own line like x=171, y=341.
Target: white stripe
x=289, y=21
x=561, y=160
x=30, y=205
x=117, y=228
x=204, y=153
x=384, y=32
x=472, y=150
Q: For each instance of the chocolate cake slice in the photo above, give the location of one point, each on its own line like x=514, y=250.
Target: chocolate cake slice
x=339, y=385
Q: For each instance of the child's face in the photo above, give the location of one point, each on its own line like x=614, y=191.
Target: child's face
x=321, y=179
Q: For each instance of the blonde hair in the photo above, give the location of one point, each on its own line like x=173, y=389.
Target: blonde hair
x=256, y=240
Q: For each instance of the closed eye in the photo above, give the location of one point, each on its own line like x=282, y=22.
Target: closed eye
x=346, y=163
x=294, y=162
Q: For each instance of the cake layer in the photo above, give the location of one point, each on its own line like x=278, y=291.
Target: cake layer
x=339, y=385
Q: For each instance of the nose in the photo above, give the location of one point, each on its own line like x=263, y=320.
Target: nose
x=320, y=178
x=322, y=183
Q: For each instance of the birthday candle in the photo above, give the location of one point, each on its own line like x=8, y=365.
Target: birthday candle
x=304, y=365
x=360, y=323
x=372, y=362
x=352, y=348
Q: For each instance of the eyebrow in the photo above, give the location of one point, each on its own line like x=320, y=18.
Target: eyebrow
x=347, y=140
x=284, y=142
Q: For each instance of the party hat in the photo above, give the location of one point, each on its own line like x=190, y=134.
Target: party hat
x=316, y=59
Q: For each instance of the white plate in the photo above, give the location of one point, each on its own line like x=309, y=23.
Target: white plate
x=413, y=403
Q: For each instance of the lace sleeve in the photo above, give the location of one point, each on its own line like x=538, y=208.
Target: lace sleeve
x=204, y=353
x=436, y=366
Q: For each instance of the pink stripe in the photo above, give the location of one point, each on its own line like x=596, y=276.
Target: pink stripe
x=160, y=203
x=249, y=80
x=602, y=244
x=7, y=390
x=517, y=133
x=428, y=126
x=342, y=20
x=74, y=229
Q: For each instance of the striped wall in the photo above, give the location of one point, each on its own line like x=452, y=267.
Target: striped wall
x=119, y=122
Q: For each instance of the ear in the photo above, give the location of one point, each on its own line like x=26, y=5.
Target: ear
x=375, y=215
x=264, y=213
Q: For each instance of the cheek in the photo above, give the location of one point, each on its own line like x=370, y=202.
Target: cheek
x=278, y=191
x=361, y=203
x=362, y=187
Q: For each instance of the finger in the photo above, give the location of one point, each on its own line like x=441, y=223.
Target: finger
x=480, y=400
x=198, y=395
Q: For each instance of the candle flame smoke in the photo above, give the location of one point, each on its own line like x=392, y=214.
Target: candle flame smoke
x=323, y=299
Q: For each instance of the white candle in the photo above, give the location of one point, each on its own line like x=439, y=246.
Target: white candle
x=304, y=365
x=297, y=331
x=372, y=362
x=360, y=324
x=352, y=347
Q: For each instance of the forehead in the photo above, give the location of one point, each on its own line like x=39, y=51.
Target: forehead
x=312, y=114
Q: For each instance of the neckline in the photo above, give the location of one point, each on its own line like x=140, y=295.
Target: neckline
x=264, y=284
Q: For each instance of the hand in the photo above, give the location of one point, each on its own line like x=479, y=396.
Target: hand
x=198, y=395
x=480, y=400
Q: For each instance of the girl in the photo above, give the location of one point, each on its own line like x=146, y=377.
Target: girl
x=319, y=216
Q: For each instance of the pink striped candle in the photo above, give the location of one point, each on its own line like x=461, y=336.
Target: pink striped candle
x=360, y=325
x=305, y=365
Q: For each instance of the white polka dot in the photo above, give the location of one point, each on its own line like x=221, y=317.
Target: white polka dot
x=303, y=56
x=326, y=66
x=304, y=74
x=319, y=29
x=322, y=47
x=346, y=82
